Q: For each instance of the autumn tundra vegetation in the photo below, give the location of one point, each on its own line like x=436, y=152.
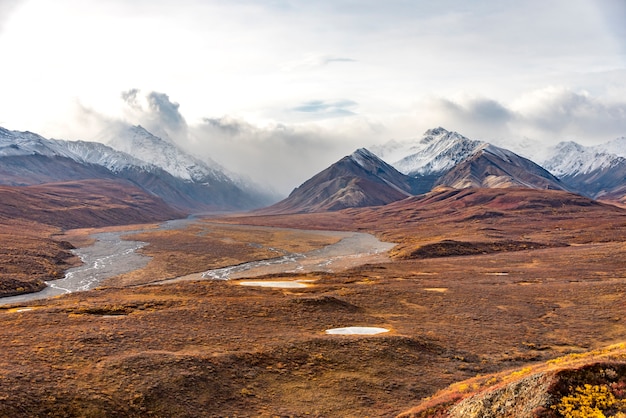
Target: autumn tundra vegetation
x=498, y=303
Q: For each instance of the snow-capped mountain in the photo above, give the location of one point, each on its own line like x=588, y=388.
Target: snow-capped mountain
x=591, y=171
x=154, y=164
x=14, y=143
x=437, y=152
x=447, y=158
x=163, y=153
x=571, y=159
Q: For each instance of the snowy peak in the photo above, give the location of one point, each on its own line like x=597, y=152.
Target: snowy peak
x=591, y=171
x=571, y=159
x=369, y=161
x=616, y=146
x=163, y=153
x=156, y=165
x=441, y=150
x=15, y=143
x=494, y=167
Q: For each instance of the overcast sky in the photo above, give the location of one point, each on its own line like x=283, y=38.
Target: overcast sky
x=279, y=89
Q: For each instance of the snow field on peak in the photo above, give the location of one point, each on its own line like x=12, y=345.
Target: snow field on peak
x=571, y=158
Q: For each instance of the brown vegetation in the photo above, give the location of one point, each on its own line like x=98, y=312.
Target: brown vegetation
x=32, y=217
x=215, y=348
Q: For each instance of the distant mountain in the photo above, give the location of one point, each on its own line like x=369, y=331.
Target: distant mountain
x=447, y=158
x=155, y=165
x=591, y=171
x=358, y=180
x=616, y=146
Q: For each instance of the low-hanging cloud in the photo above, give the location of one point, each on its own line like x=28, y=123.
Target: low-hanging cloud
x=277, y=155
x=156, y=112
x=566, y=113
x=549, y=115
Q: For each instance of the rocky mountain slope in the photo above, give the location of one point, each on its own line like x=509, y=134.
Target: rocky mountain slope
x=493, y=167
x=444, y=159
x=360, y=179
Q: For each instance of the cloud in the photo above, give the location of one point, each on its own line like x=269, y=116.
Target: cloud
x=550, y=114
x=330, y=60
x=156, y=112
x=315, y=61
x=166, y=111
x=278, y=155
x=473, y=117
x=567, y=113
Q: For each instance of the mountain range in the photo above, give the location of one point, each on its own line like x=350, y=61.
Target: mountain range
x=155, y=165
x=387, y=173
x=447, y=159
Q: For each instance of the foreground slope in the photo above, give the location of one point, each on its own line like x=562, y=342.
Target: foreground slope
x=360, y=179
x=578, y=385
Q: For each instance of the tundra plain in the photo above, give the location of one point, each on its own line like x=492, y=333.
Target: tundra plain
x=481, y=282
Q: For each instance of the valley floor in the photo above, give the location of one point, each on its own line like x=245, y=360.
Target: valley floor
x=216, y=348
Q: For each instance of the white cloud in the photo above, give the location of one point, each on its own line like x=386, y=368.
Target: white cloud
x=549, y=115
x=289, y=73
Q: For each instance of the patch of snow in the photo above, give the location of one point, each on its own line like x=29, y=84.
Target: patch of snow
x=356, y=331
x=616, y=146
x=285, y=284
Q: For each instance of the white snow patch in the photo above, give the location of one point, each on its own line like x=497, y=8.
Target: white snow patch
x=284, y=284
x=356, y=331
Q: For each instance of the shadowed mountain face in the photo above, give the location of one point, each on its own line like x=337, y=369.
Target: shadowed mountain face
x=358, y=180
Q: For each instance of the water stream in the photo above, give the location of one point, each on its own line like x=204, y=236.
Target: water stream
x=110, y=256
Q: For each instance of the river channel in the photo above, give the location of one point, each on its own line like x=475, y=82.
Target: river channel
x=110, y=255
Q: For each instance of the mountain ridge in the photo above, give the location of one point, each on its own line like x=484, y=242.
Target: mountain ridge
x=153, y=164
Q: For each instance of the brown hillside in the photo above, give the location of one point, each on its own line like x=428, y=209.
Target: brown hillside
x=31, y=216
